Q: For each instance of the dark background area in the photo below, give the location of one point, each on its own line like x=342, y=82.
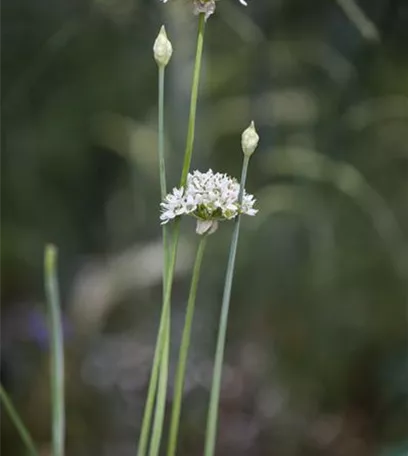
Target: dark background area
x=316, y=361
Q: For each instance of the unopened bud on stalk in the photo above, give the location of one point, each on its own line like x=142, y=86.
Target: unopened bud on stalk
x=249, y=140
x=162, y=48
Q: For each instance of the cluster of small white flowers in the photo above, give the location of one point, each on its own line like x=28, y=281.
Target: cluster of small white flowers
x=208, y=197
x=206, y=6
x=243, y=2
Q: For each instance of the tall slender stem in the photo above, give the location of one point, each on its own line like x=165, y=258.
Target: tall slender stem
x=18, y=423
x=193, y=101
x=151, y=392
x=161, y=342
x=185, y=343
x=159, y=363
x=161, y=394
x=164, y=363
x=212, y=418
x=162, y=163
x=57, y=350
x=160, y=345
x=186, y=167
x=162, y=387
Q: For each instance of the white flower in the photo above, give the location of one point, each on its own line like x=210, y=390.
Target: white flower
x=209, y=197
x=206, y=6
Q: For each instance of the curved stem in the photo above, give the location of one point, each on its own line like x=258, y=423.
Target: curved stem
x=185, y=343
x=193, y=101
x=57, y=350
x=212, y=418
x=15, y=418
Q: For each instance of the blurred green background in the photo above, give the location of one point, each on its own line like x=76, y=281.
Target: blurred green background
x=316, y=360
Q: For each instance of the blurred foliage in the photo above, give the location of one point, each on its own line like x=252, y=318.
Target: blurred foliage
x=316, y=359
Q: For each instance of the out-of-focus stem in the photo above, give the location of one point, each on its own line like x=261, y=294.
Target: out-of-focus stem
x=18, y=423
x=57, y=350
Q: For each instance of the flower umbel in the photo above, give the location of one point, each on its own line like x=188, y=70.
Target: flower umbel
x=206, y=7
x=210, y=198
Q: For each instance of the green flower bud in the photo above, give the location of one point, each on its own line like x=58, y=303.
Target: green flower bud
x=249, y=140
x=162, y=48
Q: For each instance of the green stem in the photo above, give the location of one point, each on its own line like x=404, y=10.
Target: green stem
x=185, y=343
x=159, y=363
x=148, y=411
x=193, y=101
x=162, y=387
x=163, y=193
x=161, y=338
x=164, y=363
x=219, y=352
x=162, y=164
x=18, y=423
x=161, y=394
x=57, y=350
x=160, y=345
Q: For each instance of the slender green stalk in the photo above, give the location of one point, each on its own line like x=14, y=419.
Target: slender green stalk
x=164, y=361
x=18, y=423
x=162, y=387
x=148, y=411
x=212, y=418
x=170, y=265
x=160, y=348
x=57, y=350
x=161, y=394
x=193, y=101
x=164, y=366
x=183, y=353
x=159, y=363
x=162, y=163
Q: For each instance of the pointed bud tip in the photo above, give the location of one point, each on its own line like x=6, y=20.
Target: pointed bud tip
x=249, y=139
x=162, y=48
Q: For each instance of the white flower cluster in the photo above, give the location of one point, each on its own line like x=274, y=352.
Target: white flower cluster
x=209, y=197
x=206, y=6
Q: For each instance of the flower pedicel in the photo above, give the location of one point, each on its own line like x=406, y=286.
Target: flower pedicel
x=210, y=198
